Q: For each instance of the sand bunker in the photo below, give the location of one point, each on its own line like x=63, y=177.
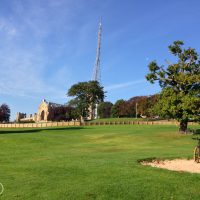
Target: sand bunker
x=181, y=165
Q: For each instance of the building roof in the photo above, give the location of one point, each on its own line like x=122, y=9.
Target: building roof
x=52, y=104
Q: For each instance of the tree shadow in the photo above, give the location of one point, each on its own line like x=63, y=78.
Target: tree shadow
x=197, y=132
x=34, y=130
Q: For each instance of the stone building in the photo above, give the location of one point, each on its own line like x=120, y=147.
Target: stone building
x=46, y=112
x=23, y=117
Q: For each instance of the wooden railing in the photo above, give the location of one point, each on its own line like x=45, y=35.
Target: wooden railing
x=134, y=123
x=40, y=125
x=127, y=122
x=78, y=123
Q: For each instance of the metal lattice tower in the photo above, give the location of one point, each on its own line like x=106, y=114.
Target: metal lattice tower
x=97, y=73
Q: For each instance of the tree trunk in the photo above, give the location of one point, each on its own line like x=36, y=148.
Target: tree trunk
x=183, y=126
x=82, y=119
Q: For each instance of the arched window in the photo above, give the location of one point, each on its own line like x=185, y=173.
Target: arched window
x=42, y=115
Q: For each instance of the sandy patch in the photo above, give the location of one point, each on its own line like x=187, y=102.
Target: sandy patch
x=181, y=165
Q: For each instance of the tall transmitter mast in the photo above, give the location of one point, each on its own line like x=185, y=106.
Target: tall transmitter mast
x=97, y=73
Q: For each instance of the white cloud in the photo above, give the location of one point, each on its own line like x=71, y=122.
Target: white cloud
x=20, y=71
x=7, y=29
x=123, y=85
x=24, y=53
x=37, y=40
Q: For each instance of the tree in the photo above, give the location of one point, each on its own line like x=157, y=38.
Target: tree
x=86, y=96
x=63, y=113
x=75, y=111
x=144, y=105
x=119, y=109
x=104, y=109
x=180, y=83
x=4, y=113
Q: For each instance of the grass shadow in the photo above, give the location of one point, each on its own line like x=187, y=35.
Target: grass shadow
x=35, y=130
x=146, y=159
x=197, y=131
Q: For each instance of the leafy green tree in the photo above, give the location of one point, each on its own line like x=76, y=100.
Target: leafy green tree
x=180, y=83
x=4, y=113
x=86, y=96
x=104, y=109
x=119, y=109
x=144, y=105
x=63, y=113
x=74, y=114
x=152, y=101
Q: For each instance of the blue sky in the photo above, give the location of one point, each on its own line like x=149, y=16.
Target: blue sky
x=48, y=45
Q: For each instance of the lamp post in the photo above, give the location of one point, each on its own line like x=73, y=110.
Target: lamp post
x=136, y=110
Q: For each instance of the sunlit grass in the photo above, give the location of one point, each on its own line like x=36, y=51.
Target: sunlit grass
x=94, y=163
x=118, y=119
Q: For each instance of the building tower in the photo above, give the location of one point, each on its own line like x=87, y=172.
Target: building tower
x=97, y=73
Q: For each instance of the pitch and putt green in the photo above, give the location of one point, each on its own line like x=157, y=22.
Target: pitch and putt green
x=98, y=162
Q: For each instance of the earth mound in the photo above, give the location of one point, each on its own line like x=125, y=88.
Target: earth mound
x=180, y=165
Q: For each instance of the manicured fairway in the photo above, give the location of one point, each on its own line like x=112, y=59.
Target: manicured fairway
x=94, y=163
x=118, y=119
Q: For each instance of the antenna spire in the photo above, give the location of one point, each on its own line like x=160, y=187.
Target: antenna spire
x=96, y=74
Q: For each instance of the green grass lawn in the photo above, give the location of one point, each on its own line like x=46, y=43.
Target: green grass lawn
x=118, y=119
x=98, y=162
